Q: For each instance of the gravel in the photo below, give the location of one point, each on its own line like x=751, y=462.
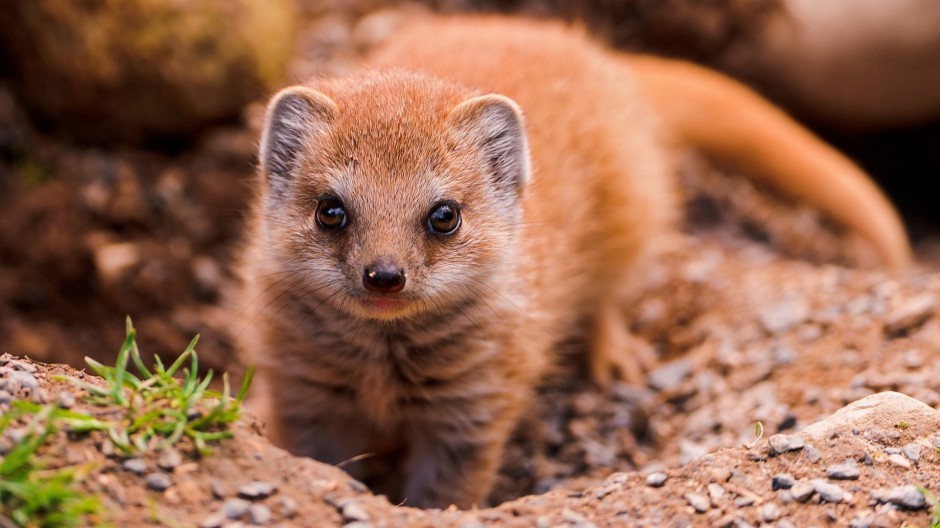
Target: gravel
x=256, y=490
x=656, y=480
x=847, y=470
x=158, y=481
x=908, y=497
x=780, y=443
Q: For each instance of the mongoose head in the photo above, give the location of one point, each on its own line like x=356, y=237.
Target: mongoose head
x=391, y=195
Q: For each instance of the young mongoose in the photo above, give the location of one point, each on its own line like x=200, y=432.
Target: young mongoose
x=411, y=266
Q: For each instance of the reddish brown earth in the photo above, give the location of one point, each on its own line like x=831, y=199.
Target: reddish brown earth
x=755, y=313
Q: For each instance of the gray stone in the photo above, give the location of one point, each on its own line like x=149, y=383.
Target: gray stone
x=656, y=480
x=214, y=520
x=802, y=491
x=135, y=465
x=769, y=512
x=780, y=443
x=904, y=496
x=256, y=490
x=784, y=315
x=235, y=508
x=782, y=481
x=912, y=451
x=847, y=470
x=353, y=511
x=259, y=514
x=158, y=481
x=65, y=400
x=699, y=502
x=828, y=491
x=169, y=458
x=911, y=314
x=669, y=376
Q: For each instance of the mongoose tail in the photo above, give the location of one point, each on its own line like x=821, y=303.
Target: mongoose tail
x=727, y=120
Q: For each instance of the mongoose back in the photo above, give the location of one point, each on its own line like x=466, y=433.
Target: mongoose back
x=411, y=267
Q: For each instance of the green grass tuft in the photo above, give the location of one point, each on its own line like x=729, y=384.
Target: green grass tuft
x=31, y=496
x=158, y=409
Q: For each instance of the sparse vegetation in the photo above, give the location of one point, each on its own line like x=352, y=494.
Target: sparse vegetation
x=150, y=411
x=30, y=494
x=155, y=409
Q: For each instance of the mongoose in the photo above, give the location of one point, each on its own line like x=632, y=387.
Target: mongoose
x=427, y=231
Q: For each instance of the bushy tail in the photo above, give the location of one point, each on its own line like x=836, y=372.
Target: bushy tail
x=725, y=119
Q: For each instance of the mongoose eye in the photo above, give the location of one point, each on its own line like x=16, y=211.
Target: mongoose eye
x=330, y=213
x=444, y=219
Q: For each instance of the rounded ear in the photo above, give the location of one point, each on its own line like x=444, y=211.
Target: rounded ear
x=494, y=123
x=295, y=116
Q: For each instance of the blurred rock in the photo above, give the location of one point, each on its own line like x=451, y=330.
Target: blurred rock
x=106, y=71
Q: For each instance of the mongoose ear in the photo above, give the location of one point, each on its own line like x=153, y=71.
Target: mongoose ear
x=495, y=124
x=295, y=116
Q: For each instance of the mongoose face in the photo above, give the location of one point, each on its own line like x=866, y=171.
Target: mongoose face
x=391, y=195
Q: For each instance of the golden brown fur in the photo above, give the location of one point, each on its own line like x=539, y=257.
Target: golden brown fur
x=431, y=379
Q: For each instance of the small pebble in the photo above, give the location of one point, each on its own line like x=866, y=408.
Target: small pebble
x=900, y=460
x=863, y=521
x=669, y=376
x=699, y=502
x=259, y=514
x=715, y=492
x=158, y=481
x=744, y=501
x=256, y=490
x=219, y=489
x=912, y=452
x=353, y=511
x=23, y=379
x=288, y=507
x=169, y=459
x=802, y=491
x=910, y=315
x=783, y=315
x=65, y=400
x=904, y=496
x=845, y=471
x=214, y=520
x=812, y=454
x=828, y=491
x=780, y=443
x=769, y=512
x=783, y=523
x=234, y=508
x=135, y=465
x=782, y=481
x=656, y=480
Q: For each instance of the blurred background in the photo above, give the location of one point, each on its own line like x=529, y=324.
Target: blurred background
x=128, y=131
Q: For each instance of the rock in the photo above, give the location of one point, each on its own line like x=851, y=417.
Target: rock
x=827, y=491
x=769, y=512
x=158, y=481
x=669, y=376
x=235, y=508
x=912, y=452
x=780, y=443
x=214, y=520
x=259, y=514
x=699, y=502
x=910, y=315
x=802, y=491
x=868, y=414
x=288, y=507
x=353, y=511
x=909, y=497
x=900, y=461
x=782, y=481
x=256, y=490
x=135, y=465
x=656, y=480
x=784, y=315
x=848, y=470
x=140, y=69
x=169, y=458
x=65, y=400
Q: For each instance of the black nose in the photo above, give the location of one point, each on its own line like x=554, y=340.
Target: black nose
x=383, y=278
